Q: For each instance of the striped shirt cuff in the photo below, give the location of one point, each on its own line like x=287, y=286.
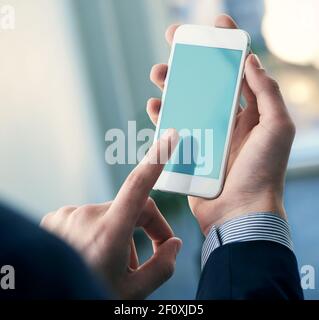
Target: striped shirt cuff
x=255, y=226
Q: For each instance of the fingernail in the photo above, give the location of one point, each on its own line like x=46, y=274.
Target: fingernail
x=178, y=245
x=256, y=61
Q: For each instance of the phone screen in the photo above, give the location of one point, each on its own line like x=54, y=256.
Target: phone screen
x=198, y=104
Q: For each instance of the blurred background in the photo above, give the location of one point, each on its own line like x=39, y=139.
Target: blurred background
x=72, y=69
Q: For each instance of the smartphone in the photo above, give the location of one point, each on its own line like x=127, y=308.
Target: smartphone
x=200, y=100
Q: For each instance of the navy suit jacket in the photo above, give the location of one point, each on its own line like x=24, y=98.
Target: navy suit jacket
x=46, y=268
x=250, y=270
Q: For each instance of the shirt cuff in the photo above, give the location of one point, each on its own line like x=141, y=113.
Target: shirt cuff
x=255, y=226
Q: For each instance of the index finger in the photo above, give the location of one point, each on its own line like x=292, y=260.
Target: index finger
x=133, y=194
x=170, y=32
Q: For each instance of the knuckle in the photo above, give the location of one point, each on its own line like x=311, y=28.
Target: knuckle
x=285, y=127
x=151, y=204
x=272, y=84
x=66, y=210
x=87, y=209
x=149, y=102
x=289, y=127
x=153, y=71
x=45, y=220
x=84, y=213
x=168, y=270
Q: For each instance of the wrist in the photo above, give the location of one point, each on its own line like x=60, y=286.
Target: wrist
x=225, y=210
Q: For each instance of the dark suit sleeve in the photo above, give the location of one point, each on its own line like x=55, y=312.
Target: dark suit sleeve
x=250, y=270
x=45, y=267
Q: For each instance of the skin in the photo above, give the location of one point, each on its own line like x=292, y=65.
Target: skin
x=260, y=146
x=103, y=233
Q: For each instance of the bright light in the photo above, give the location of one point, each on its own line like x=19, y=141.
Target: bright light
x=291, y=30
x=300, y=91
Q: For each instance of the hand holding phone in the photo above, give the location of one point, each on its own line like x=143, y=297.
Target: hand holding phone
x=259, y=150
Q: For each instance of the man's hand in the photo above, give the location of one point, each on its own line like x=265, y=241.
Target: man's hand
x=103, y=234
x=260, y=146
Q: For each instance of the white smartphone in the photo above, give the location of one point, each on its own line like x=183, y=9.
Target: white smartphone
x=200, y=100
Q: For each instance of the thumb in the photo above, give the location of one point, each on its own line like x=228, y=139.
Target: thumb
x=269, y=99
x=158, y=269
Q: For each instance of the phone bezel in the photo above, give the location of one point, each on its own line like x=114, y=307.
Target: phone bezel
x=208, y=37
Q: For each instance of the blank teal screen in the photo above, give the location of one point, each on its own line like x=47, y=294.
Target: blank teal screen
x=200, y=95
